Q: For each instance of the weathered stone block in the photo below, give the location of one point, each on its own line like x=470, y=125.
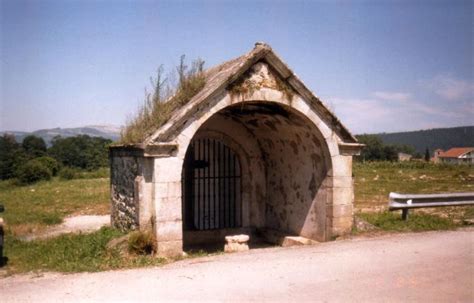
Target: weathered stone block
x=237, y=239
x=236, y=243
x=300, y=105
x=235, y=247
x=168, y=169
x=342, y=196
x=170, y=248
x=340, y=231
x=342, y=222
x=146, y=207
x=169, y=230
x=289, y=241
x=338, y=211
x=161, y=190
x=333, y=146
x=174, y=189
x=168, y=209
x=341, y=166
x=338, y=182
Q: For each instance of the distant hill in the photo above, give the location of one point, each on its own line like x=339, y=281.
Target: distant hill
x=432, y=139
x=106, y=131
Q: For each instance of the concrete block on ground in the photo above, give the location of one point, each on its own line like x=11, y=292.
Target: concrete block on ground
x=236, y=243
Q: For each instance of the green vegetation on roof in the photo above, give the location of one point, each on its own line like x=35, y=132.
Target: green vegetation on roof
x=165, y=99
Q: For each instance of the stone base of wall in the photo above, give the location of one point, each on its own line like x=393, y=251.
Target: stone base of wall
x=214, y=236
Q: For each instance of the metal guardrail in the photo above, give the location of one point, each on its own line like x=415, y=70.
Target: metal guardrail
x=408, y=201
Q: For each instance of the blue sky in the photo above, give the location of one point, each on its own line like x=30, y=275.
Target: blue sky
x=381, y=66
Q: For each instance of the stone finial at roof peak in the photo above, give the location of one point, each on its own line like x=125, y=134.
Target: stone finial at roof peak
x=262, y=45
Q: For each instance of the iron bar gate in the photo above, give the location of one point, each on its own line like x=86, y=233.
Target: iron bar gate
x=212, y=186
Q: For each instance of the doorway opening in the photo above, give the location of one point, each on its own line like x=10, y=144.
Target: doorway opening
x=212, y=186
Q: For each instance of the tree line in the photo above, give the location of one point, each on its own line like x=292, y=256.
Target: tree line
x=444, y=138
x=376, y=150
x=31, y=160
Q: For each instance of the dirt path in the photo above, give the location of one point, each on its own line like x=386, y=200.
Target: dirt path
x=76, y=224
x=422, y=267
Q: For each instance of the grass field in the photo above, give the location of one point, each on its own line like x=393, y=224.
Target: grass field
x=374, y=181
x=72, y=253
x=31, y=209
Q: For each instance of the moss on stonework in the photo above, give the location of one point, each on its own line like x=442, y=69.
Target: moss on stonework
x=284, y=88
x=245, y=86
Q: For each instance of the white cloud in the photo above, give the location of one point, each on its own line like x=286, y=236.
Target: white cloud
x=450, y=88
x=443, y=101
x=371, y=115
x=392, y=96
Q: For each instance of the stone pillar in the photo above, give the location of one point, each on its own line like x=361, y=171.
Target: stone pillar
x=144, y=194
x=168, y=212
x=340, y=213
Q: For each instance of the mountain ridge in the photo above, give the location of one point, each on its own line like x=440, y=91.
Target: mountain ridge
x=111, y=132
x=443, y=138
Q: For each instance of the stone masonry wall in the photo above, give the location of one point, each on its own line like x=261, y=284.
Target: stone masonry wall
x=124, y=170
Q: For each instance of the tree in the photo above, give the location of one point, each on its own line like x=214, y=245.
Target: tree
x=33, y=171
x=376, y=150
x=50, y=163
x=34, y=146
x=81, y=151
x=390, y=153
x=427, y=155
x=373, y=149
x=11, y=156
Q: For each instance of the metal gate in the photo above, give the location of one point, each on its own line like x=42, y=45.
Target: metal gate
x=212, y=186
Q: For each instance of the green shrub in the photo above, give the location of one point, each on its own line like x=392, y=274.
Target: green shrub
x=33, y=171
x=142, y=243
x=50, y=163
x=67, y=173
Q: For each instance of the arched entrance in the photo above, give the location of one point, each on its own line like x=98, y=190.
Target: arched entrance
x=254, y=167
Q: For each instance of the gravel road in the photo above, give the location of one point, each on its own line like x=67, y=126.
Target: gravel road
x=422, y=267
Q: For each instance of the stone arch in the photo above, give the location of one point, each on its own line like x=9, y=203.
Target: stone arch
x=259, y=213
x=264, y=95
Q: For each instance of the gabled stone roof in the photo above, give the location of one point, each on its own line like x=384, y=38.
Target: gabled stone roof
x=223, y=75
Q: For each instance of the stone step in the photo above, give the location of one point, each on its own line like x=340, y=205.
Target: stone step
x=285, y=240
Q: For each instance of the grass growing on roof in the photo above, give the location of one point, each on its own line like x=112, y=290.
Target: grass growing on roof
x=165, y=99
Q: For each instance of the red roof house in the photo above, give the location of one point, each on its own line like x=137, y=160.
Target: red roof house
x=457, y=155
